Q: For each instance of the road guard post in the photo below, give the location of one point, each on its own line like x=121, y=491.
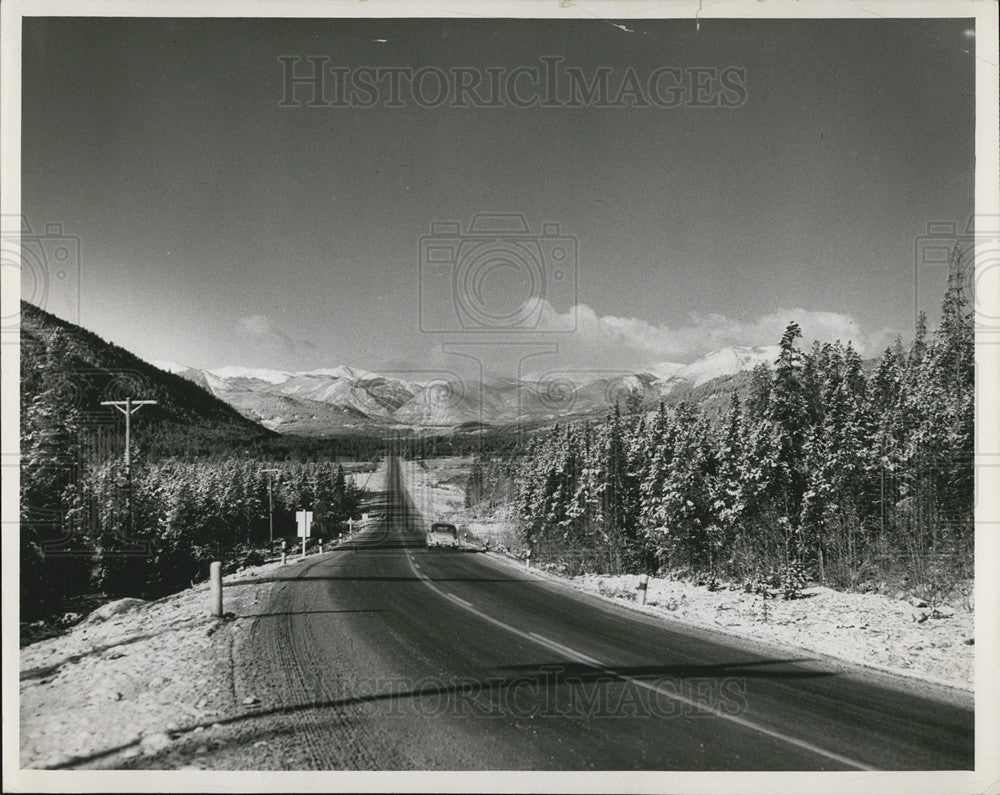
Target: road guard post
x=215, y=588
x=643, y=586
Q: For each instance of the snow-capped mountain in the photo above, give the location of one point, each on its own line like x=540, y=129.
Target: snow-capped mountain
x=718, y=363
x=663, y=371
x=252, y=374
x=338, y=399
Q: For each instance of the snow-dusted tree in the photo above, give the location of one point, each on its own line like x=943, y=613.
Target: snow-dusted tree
x=787, y=413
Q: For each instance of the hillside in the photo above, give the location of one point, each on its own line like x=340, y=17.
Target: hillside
x=86, y=370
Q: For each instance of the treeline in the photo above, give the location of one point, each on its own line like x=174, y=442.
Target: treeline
x=503, y=441
x=819, y=471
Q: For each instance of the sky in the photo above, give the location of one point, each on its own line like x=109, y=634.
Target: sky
x=218, y=227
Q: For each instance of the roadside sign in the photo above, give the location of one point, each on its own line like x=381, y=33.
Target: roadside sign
x=304, y=520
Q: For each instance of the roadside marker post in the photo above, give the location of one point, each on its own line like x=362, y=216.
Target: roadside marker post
x=215, y=588
x=643, y=586
x=304, y=519
x=284, y=556
x=527, y=560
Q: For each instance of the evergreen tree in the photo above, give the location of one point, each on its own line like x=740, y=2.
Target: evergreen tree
x=787, y=413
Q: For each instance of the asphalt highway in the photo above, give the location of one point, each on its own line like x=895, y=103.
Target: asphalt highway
x=383, y=654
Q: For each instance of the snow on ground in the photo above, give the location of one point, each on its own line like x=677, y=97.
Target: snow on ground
x=131, y=682
x=934, y=643
x=136, y=680
x=436, y=486
x=868, y=629
x=365, y=478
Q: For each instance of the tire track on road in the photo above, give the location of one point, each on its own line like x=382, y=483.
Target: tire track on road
x=286, y=649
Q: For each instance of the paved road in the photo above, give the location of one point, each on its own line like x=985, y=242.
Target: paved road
x=386, y=655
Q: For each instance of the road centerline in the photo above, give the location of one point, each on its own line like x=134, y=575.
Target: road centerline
x=459, y=599
x=580, y=657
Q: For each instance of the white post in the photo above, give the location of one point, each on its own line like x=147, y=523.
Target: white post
x=527, y=560
x=643, y=586
x=215, y=578
x=303, y=546
x=320, y=547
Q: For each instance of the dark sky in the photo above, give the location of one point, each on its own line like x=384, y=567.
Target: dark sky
x=219, y=228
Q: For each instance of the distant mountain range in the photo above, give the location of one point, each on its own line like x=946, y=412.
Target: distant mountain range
x=199, y=409
x=348, y=400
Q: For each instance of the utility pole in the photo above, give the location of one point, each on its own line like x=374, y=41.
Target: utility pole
x=270, y=503
x=128, y=407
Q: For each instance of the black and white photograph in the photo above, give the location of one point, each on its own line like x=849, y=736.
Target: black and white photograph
x=525, y=397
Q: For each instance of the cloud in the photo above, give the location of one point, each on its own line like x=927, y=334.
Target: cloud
x=624, y=342
x=604, y=345
x=262, y=329
x=599, y=346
